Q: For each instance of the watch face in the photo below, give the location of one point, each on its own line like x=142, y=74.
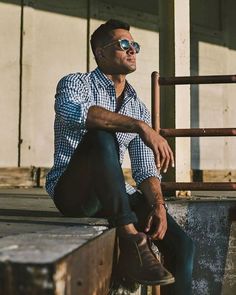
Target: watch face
x=153, y=206
x=166, y=207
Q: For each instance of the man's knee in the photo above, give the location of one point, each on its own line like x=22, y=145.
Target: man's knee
x=98, y=134
x=103, y=140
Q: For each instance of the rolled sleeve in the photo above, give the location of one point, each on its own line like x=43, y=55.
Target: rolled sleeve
x=142, y=161
x=73, y=101
x=142, y=158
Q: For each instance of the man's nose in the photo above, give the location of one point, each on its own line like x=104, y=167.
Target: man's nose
x=131, y=50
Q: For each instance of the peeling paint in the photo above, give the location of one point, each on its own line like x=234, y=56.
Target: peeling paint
x=60, y=278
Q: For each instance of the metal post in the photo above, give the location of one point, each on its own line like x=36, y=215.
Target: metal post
x=198, y=132
x=217, y=79
x=199, y=186
x=156, y=126
x=155, y=101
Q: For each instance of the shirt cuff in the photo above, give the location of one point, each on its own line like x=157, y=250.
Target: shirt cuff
x=140, y=177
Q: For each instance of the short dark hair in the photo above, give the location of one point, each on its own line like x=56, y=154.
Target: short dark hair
x=102, y=34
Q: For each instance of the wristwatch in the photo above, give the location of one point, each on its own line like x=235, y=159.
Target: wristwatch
x=166, y=207
x=164, y=204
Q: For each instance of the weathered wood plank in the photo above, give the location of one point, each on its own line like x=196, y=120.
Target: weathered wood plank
x=19, y=177
x=214, y=175
x=35, y=176
x=43, y=174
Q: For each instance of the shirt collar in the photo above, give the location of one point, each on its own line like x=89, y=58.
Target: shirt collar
x=129, y=90
x=104, y=81
x=102, y=78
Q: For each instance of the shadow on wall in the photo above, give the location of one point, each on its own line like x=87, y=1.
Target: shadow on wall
x=96, y=9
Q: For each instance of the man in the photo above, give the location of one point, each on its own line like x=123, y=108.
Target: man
x=99, y=117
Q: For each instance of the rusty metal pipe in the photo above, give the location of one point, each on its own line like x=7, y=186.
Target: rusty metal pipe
x=198, y=132
x=197, y=80
x=155, y=105
x=155, y=93
x=198, y=186
x=157, y=81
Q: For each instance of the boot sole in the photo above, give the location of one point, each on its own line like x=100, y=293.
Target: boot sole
x=153, y=283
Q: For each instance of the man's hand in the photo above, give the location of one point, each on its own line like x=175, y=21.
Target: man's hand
x=101, y=118
x=157, y=220
x=159, y=145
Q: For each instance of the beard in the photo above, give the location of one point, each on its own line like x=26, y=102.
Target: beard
x=119, y=67
x=125, y=69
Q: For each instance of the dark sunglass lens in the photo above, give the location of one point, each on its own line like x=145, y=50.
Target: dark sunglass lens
x=124, y=44
x=136, y=46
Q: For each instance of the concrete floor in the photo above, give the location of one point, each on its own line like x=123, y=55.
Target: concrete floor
x=25, y=210
x=31, y=210
x=30, y=215
x=38, y=244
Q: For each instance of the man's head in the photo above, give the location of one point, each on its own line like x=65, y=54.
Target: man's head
x=114, y=48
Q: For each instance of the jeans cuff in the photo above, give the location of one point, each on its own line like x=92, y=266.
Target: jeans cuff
x=122, y=219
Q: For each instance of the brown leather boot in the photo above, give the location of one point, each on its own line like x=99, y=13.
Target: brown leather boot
x=138, y=262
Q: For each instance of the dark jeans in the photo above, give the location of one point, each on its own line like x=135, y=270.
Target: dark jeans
x=93, y=185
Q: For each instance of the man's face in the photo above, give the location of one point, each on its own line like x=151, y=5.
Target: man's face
x=113, y=59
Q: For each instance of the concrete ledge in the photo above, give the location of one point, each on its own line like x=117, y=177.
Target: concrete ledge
x=43, y=253
x=211, y=223
x=66, y=260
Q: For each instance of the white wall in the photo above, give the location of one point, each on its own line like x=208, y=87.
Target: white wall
x=213, y=52
x=10, y=17
x=55, y=44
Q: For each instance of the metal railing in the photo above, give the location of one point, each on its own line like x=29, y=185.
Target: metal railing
x=156, y=82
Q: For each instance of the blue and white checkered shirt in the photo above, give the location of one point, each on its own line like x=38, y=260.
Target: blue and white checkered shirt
x=76, y=93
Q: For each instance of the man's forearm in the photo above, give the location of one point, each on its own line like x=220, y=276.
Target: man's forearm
x=100, y=118
x=151, y=188
x=156, y=221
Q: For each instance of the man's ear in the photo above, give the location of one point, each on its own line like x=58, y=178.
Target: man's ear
x=99, y=53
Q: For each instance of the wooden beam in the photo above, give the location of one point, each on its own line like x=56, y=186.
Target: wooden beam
x=35, y=176
x=19, y=177
x=214, y=175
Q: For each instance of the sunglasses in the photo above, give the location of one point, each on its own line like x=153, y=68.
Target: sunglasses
x=125, y=45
